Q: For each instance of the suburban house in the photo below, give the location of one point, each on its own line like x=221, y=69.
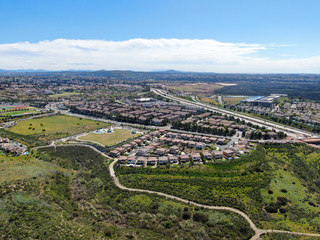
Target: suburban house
x=114, y=153
x=200, y=145
x=122, y=159
x=173, y=159
x=217, y=154
x=207, y=155
x=228, y=153
x=152, y=161
x=163, y=160
x=184, y=158
x=196, y=157
x=143, y=151
x=161, y=151
x=174, y=150
x=221, y=141
x=191, y=144
x=141, y=161
x=127, y=147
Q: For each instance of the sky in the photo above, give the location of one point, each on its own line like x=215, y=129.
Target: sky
x=229, y=36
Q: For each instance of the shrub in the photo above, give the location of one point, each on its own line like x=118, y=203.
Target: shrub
x=283, y=210
x=200, y=217
x=272, y=208
x=282, y=201
x=168, y=224
x=186, y=215
x=312, y=204
x=270, y=191
x=284, y=190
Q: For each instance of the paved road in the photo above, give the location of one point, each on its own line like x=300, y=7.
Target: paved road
x=288, y=130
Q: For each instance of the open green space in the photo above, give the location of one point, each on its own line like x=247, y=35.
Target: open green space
x=211, y=100
x=19, y=112
x=232, y=100
x=80, y=201
x=60, y=123
x=40, y=131
x=197, y=88
x=24, y=167
x=282, y=236
x=108, y=139
x=64, y=94
x=277, y=185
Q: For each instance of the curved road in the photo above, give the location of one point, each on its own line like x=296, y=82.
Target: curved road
x=258, y=232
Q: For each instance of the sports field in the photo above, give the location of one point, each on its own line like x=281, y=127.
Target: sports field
x=108, y=139
x=19, y=112
x=60, y=123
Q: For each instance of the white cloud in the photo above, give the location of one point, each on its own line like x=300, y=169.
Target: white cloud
x=149, y=54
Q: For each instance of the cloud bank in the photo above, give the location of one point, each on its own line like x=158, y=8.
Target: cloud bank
x=150, y=54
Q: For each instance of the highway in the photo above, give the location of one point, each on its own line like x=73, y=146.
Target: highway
x=290, y=131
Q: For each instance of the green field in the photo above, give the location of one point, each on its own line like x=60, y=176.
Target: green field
x=278, y=185
x=210, y=100
x=64, y=94
x=108, y=139
x=197, y=88
x=52, y=124
x=14, y=113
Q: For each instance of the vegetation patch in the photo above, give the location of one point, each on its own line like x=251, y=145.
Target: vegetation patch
x=64, y=94
x=85, y=204
x=277, y=185
x=39, y=131
x=23, y=167
x=108, y=139
x=197, y=88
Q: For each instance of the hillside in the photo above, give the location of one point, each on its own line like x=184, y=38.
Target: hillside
x=79, y=201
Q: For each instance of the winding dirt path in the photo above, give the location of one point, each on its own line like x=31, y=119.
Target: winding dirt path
x=258, y=232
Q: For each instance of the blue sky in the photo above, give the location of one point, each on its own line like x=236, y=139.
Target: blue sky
x=287, y=33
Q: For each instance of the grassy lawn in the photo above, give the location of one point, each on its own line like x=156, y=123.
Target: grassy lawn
x=52, y=124
x=23, y=167
x=108, y=139
x=14, y=113
x=63, y=94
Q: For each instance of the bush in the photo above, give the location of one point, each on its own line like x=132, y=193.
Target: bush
x=168, y=224
x=270, y=191
x=284, y=190
x=186, y=215
x=272, y=208
x=283, y=210
x=282, y=201
x=200, y=217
